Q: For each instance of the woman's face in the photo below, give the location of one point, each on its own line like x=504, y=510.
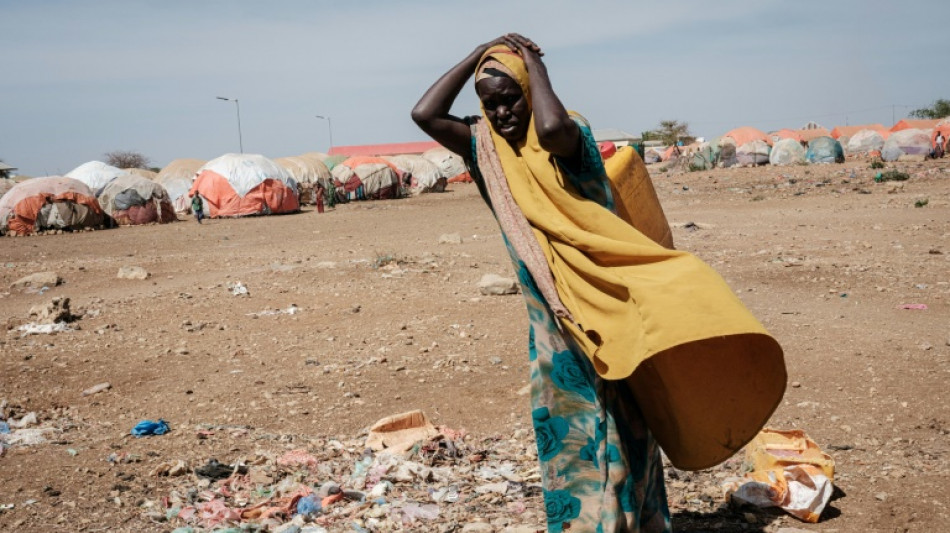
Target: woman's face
x=505, y=106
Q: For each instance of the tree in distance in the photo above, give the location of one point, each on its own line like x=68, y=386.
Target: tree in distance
x=939, y=109
x=671, y=131
x=127, y=159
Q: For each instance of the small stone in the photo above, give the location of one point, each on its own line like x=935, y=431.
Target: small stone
x=37, y=281
x=796, y=384
x=497, y=285
x=132, y=272
x=881, y=496
x=95, y=389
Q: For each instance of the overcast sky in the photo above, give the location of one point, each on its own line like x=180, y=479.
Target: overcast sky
x=79, y=79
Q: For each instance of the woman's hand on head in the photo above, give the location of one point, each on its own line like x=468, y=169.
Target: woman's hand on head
x=524, y=46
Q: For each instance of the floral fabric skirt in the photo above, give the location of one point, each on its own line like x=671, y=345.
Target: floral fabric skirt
x=600, y=466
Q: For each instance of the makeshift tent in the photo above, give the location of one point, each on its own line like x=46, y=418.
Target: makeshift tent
x=824, y=150
x=147, y=174
x=706, y=156
x=235, y=185
x=450, y=164
x=333, y=160
x=808, y=135
x=746, y=134
x=132, y=200
x=316, y=155
x=652, y=155
x=865, y=141
x=753, y=153
x=177, y=178
x=943, y=129
x=367, y=178
x=787, y=152
x=915, y=124
x=52, y=202
x=5, y=185
x=912, y=144
x=849, y=131
x=424, y=176
x=306, y=171
x=95, y=174
x=785, y=134
x=727, y=153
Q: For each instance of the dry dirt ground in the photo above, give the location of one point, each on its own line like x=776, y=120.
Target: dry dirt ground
x=390, y=319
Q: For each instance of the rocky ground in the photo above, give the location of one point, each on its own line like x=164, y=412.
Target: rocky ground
x=373, y=309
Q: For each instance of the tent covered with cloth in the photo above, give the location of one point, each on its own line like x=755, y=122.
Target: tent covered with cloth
x=95, y=174
x=753, y=153
x=423, y=175
x=367, y=178
x=177, y=178
x=787, y=152
x=307, y=171
x=132, y=200
x=450, y=164
x=236, y=185
x=865, y=142
x=907, y=145
x=824, y=149
x=53, y=202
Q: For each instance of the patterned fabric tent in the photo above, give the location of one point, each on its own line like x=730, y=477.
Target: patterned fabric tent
x=865, y=142
x=132, y=200
x=753, y=153
x=307, y=170
x=367, y=178
x=52, y=202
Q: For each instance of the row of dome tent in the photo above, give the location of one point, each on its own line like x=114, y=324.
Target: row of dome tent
x=96, y=195
x=747, y=146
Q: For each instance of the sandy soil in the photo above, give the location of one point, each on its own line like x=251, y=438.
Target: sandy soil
x=390, y=320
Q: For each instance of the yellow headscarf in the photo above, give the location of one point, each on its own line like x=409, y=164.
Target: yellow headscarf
x=705, y=372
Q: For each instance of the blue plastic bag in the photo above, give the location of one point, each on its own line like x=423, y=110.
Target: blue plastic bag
x=147, y=428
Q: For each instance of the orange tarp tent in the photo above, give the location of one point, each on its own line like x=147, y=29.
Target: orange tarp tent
x=748, y=134
x=786, y=133
x=849, y=131
x=920, y=124
x=236, y=185
x=808, y=135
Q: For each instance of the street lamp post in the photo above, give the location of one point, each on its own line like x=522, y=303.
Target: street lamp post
x=238, y=106
x=329, y=127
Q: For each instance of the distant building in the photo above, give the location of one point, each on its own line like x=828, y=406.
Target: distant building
x=6, y=171
x=411, y=148
x=618, y=137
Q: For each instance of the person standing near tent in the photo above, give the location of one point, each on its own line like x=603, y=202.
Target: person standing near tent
x=938, y=146
x=198, y=206
x=318, y=193
x=578, y=262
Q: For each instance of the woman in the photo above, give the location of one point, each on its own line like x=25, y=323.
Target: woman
x=625, y=334
x=598, y=475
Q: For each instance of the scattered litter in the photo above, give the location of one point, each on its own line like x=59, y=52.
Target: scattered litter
x=214, y=470
x=913, y=307
x=237, y=288
x=399, y=433
x=43, y=329
x=789, y=471
x=147, y=428
x=292, y=310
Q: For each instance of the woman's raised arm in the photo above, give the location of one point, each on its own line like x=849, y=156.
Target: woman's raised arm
x=432, y=113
